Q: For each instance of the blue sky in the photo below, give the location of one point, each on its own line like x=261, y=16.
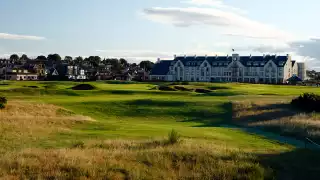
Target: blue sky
x=147, y=29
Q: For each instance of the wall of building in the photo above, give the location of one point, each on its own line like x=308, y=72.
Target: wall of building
x=23, y=77
x=302, y=74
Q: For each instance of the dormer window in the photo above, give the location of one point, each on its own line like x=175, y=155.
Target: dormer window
x=255, y=63
x=214, y=63
x=225, y=63
x=249, y=63
x=262, y=63
x=188, y=64
x=205, y=64
x=220, y=64
x=281, y=63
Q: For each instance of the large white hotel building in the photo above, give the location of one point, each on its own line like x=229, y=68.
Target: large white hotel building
x=271, y=69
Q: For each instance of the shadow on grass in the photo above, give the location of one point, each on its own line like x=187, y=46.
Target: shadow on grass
x=269, y=112
x=159, y=103
x=295, y=165
x=220, y=93
x=206, y=114
x=211, y=118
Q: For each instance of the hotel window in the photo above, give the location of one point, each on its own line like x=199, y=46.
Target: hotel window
x=261, y=68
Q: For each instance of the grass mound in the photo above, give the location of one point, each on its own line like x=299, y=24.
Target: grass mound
x=218, y=88
x=166, y=88
x=83, y=87
x=182, y=88
x=308, y=102
x=121, y=82
x=27, y=122
x=179, y=83
x=278, y=117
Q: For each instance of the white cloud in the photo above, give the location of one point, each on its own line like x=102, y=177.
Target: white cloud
x=215, y=4
x=19, y=37
x=232, y=24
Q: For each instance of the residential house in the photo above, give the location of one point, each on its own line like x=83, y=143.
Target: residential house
x=141, y=75
x=76, y=73
x=21, y=74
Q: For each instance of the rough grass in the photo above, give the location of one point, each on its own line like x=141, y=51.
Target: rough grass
x=23, y=123
x=133, y=160
x=278, y=117
x=53, y=142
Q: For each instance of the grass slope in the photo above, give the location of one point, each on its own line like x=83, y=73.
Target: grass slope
x=134, y=119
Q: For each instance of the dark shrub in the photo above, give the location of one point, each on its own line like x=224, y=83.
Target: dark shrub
x=173, y=137
x=78, y=144
x=218, y=87
x=166, y=88
x=308, y=102
x=180, y=83
x=83, y=87
x=203, y=91
x=33, y=86
x=3, y=102
x=181, y=88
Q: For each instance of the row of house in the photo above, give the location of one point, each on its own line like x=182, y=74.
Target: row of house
x=38, y=70
x=271, y=69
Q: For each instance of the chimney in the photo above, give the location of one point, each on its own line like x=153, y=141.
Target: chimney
x=175, y=56
x=185, y=56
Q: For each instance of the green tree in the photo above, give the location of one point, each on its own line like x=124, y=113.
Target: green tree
x=54, y=58
x=78, y=61
x=14, y=57
x=68, y=59
x=123, y=62
x=24, y=57
x=147, y=65
x=94, y=61
x=41, y=58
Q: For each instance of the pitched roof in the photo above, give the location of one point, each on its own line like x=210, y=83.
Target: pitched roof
x=161, y=68
x=223, y=61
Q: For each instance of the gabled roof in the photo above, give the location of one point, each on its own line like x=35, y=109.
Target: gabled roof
x=294, y=79
x=161, y=68
x=223, y=61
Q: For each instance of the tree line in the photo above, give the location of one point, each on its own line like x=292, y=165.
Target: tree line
x=91, y=61
x=313, y=75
